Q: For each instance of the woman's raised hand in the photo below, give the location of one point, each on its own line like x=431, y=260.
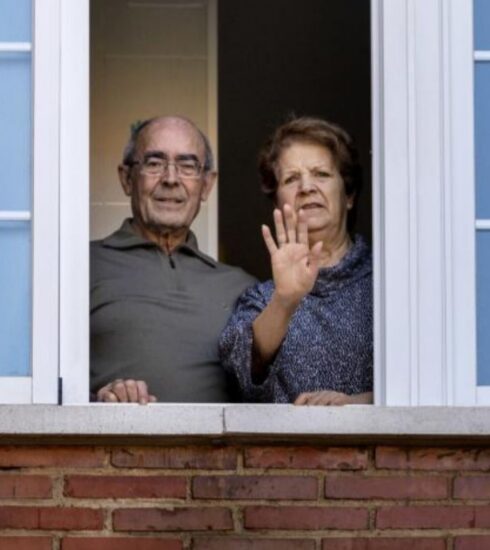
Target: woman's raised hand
x=294, y=264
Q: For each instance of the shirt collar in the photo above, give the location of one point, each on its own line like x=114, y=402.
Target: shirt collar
x=126, y=238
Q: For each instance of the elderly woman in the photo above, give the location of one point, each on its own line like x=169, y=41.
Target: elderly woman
x=306, y=336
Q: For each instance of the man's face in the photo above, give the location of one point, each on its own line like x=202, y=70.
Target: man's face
x=166, y=204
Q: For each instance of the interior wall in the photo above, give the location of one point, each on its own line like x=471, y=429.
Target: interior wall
x=147, y=58
x=276, y=58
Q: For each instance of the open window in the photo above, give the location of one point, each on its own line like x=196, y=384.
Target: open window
x=423, y=61
x=192, y=58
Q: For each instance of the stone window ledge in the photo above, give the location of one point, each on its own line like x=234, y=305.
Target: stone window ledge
x=257, y=423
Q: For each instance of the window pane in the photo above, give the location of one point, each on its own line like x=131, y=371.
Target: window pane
x=15, y=298
x=482, y=24
x=15, y=20
x=482, y=135
x=483, y=306
x=15, y=132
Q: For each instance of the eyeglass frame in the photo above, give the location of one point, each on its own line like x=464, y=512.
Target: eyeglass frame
x=160, y=156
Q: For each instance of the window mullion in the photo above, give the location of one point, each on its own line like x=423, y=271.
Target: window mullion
x=46, y=201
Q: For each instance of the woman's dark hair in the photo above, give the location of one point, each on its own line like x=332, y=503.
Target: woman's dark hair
x=319, y=132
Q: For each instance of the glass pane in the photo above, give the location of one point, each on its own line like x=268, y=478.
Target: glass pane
x=15, y=131
x=483, y=306
x=482, y=24
x=482, y=136
x=15, y=20
x=15, y=299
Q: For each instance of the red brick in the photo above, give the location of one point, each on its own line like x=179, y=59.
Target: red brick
x=472, y=542
x=80, y=457
x=386, y=487
x=391, y=457
x=472, y=487
x=442, y=459
x=208, y=458
x=425, y=517
x=125, y=487
x=326, y=458
x=26, y=486
x=120, y=543
x=482, y=516
x=378, y=543
x=296, y=517
x=30, y=517
x=222, y=543
x=248, y=487
x=26, y=543
x=175, y=519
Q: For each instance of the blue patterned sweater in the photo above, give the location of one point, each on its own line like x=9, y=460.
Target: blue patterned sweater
x=329, y=342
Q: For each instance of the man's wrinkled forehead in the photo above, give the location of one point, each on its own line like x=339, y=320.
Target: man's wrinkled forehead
x=170, y=135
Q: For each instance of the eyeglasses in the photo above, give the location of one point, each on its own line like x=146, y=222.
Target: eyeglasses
x=158, y=167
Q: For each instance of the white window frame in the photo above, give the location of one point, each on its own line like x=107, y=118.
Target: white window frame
x=59, y=217
x=74, y=201
x=424, y=222
x=41, y=386
x=423, y=226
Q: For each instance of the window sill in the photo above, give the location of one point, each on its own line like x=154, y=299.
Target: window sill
x=257, y=423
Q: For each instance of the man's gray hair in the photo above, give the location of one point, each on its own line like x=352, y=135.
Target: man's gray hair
x=136, y=129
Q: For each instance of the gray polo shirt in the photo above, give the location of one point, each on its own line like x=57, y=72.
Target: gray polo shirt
x=158, y=317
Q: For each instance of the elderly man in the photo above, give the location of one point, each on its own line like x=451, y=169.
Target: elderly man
x=158, y=304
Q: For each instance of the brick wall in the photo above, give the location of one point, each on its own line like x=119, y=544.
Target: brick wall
x=244, y=497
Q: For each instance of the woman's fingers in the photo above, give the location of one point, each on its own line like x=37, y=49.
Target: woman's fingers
x=302, y=228
x=279, y=227
x=322, y=398
x=269, y=240
x=293, y=229
x=302, y=399
x=287, y=228
x=290, y=223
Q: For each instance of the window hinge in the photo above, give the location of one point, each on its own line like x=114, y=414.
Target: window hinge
x=60, y=391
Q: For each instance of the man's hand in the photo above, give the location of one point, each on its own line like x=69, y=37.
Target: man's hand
x=125, y=391
x=329, y=398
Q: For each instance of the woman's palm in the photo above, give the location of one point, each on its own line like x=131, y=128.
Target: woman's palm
x=293, y=273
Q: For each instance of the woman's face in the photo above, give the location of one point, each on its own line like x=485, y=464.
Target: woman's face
x=309, y=180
